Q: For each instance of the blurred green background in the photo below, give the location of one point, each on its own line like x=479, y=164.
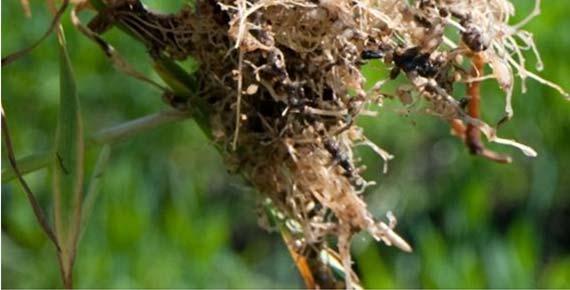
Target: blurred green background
x=170, y=216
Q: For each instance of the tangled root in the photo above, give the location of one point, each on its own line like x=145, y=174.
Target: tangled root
x=283, y=86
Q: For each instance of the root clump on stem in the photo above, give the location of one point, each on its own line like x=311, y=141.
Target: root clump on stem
x=283, y=88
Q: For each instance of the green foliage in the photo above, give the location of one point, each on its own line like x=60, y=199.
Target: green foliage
x=168, y=215
x=67, y=159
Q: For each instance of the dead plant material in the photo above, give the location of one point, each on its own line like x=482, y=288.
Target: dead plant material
x=283, y=83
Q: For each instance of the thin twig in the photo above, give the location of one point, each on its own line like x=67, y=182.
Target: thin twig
x=16, y=55
x=116, y=59
x=38, y=212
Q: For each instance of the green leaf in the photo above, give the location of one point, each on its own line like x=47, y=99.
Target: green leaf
x=95, y=182
x=26, y=165
x=68, y=160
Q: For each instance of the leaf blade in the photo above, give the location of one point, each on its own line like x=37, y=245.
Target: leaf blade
x=26, y=165
x=68, y=162
x=95, y=183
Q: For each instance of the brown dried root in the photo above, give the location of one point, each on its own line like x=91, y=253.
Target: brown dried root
x=471, y=134
x=283, y=83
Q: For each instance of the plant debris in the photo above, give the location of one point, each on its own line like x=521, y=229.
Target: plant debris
x=283, y=86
